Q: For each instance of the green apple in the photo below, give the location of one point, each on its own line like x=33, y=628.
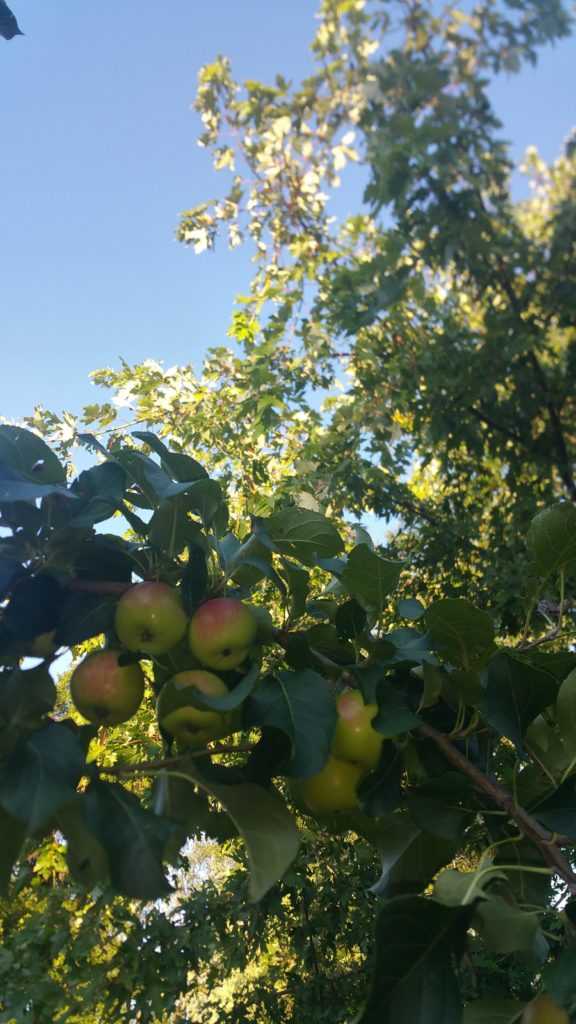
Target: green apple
x=355, y=738
x=222, y=632
x=544, y=1010
x=105, y=692
x=179, y=717
x=150, y=618
x=333, y=788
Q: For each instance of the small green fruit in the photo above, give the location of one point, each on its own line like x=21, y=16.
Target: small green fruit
x=150, y=618
x=191, y=726
x=105, y=692
x=221, y=633
x=355, y=738
x=333, y=788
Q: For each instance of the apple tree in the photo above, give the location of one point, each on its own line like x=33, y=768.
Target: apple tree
x=407, y=724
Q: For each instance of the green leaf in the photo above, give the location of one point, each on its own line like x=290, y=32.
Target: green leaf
x=265, y=824
x=566, y=709
x=100, y=491
x=41, y=775
x=27, y=454
x=414, y=980
x=560, y=977
x=135, y=840
x=170, y=529
x=460, y=633
x=302, y=705
x=84, y=616
x=493, y=1011
x=435, y=806
x=298, y=581
x=86, y=857
x=394, y=715
x=194, y=580
x=303, y=534
x=370, y=578
x=461, y=888
x=504, y=928
x=410, y=609
x=392, y=835
x=558, y=811
x=12, y=836
x=182, y=467
x=350, y=620
x=229, y=701
x=26, y=696
x=515, y=694
x=552, y=537
x=14, y=487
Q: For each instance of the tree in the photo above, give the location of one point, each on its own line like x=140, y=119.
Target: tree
x=460, y=629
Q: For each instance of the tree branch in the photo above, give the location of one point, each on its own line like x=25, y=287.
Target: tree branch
x=150, y=767
x=546, y=842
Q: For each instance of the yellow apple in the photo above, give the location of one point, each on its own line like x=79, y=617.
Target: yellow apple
x=179, y=717
x=150, y=618
x=355, y=738
x=543, y=1010
x=105, y=692
x=333, y=788
x=221, y=633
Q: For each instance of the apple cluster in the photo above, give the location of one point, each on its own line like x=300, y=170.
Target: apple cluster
x=356, y=749
x=150, y=621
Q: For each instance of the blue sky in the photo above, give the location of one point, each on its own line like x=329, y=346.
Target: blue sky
x=99, y=157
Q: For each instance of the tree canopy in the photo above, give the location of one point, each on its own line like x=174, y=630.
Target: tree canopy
x=413, y=363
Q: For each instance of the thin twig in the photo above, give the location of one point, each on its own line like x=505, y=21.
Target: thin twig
x=150, y=767
x=547, y=843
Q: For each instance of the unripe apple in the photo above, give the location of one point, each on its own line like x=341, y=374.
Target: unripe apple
x=221, y=633
x=150, y=618
x=355, y=738
x=544, y=1010
x=105, y=692
x=333, y=788
x=179, y=717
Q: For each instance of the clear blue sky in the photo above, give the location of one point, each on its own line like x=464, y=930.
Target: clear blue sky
x=99, y=156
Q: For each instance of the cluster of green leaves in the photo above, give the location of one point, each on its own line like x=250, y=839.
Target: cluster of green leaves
x=455, y=706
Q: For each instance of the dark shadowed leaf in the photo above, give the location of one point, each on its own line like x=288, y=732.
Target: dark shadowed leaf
x=515, y=694
x=298, y=581
x=84, y=616
x=460, y=633
x=302, y=705
x=410, y=609
x=414, y=980
x=194, y=580
x=30, y=457
x=181, y=467
x=86, y=857
x=26, y=696
x=41, y=775
x=34, y=607
x=134, y=839
x=12, y=836
x=394, y=714
x=492, y=1011
x=100, y=491
x=9, y=27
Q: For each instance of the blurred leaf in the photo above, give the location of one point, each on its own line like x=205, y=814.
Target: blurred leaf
x=559, y=978
x=12, y=836
x=194, y=581
x=558, y=811
x=410, y=609
x=84, y=616
x=492, y=1011
x=41, y=775
x=34, y=607
x=566, y=710
x=100, y=491
x=395, y=833
x=298, y=581
x=394, y=715
x=9, y=27
x=86, y=857
x=26, y=696
x=370, y=578
x=182, y=467
x=350, y=620
x=552, y=537
x=505, y=928
x=461, y=633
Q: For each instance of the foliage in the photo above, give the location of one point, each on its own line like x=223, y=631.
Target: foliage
x=447, y=895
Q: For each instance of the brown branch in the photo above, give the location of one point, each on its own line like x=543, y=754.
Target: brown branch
x=111, y=587
x=546, y=842
x=150, y=767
